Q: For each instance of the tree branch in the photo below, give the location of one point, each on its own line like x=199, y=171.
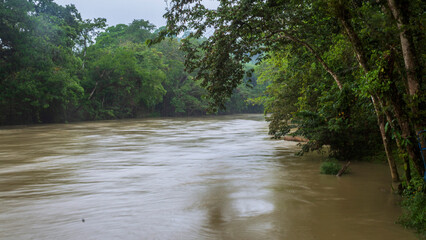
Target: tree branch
x=315, y=53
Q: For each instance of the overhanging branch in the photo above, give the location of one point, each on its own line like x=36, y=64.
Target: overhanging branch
x=285, y=35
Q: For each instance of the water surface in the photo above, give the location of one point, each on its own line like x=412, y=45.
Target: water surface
x=185, y=178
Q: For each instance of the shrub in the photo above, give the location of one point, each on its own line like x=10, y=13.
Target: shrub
x=414, y=205
x=330, y=167
x=342, y=121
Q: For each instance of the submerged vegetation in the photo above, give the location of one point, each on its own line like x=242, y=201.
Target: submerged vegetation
x=330, y=167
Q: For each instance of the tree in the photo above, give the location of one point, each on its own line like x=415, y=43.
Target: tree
x=123, y=81
x=38, y=68
x=89, y=30
x=184, y=96
x=243, y=29
x=375, y=70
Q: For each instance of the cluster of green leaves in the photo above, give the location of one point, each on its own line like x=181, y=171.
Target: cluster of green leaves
x=299, y=96
x=244, y=97
x=57, y=67
x=184, y=96
x=124, y=77
x=39, y=71
x=414, y=204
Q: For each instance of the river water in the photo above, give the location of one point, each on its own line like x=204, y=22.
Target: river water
x=183, y=178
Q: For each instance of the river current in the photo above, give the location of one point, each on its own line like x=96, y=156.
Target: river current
x=218, y=177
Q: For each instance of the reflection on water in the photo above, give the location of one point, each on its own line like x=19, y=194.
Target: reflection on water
x=196, y=178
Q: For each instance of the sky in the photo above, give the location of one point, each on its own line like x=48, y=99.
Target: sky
x=124, y=11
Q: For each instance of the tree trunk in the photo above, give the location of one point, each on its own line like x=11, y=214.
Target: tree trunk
x=356, y=43
x=360, y=53
x=407, y=44
x=394, y=169
x=407, y=138
x=386, y=144
x=93, y=91
x=399, y=10
x=344, y=168
x=407, y=131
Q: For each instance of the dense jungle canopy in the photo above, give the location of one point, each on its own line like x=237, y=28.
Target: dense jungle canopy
x=58, y=67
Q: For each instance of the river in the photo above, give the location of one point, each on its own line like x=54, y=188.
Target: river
x=216, y=177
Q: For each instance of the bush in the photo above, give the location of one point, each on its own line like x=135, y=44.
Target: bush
x=330, y=167
x=342, y=121
x=414, y=205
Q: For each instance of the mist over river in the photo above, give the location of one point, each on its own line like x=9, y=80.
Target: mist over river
x=218, y=177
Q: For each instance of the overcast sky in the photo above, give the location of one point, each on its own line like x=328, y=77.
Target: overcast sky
x=123, y=11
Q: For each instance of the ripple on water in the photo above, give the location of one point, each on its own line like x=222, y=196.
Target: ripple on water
x=252, y=207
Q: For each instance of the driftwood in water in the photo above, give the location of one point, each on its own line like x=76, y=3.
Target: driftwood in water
x=295, y=139
x=343, y=169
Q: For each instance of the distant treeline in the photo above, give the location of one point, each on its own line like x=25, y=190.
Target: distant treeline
x=58, y=67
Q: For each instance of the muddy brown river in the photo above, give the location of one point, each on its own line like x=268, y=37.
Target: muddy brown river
x=184, y=178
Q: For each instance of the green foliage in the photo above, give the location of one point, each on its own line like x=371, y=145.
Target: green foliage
x=38, y=68
x=342, y=121
x=184, y=96
x=330, y=167
x=137, y=32
x=244, y=30
x=242, y=99
x=295, y=98
x=57, y=67
x=414, y=205
x=123, y=80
